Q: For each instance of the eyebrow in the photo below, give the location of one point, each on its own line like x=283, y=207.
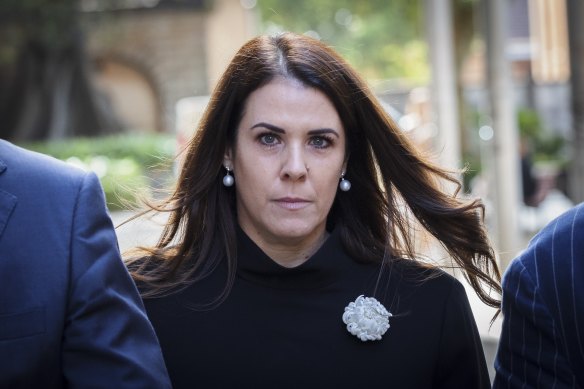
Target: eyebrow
x=317, y=131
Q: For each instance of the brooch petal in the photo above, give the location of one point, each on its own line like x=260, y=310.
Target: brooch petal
x=366, y=318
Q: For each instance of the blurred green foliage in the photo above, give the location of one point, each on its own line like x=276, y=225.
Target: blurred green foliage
x=125, y=164
x=382, y=39
x=545, y=145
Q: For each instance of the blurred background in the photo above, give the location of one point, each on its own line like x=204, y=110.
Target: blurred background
x=493, y=86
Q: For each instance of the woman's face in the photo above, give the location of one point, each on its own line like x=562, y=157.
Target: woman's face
x=287, y=161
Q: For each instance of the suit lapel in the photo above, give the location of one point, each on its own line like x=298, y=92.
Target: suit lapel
x=7, y=202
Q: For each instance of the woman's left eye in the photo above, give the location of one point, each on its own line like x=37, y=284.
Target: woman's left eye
x=320, y=142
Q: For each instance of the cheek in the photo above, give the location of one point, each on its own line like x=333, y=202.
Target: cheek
x=330, y=171
x=251, y=174
x=327, y=184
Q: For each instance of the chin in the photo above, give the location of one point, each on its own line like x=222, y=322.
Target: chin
x=294, y=231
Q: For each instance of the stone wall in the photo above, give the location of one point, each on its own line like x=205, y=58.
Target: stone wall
x=167, y=47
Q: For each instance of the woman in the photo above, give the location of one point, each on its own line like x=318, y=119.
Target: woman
x=287, y=259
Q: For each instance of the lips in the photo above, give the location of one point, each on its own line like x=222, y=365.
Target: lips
x=292, y=203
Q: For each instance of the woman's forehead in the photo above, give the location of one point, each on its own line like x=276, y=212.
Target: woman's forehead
x=282, y=97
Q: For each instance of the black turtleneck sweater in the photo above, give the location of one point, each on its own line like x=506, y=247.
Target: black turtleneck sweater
x=282, y=327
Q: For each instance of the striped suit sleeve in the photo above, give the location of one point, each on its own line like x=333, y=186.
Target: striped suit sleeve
x=541, y=342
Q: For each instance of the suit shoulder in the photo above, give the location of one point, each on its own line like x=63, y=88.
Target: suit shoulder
x=553, y=254
x=22, y=165
x=565, y=223
x=559, y=239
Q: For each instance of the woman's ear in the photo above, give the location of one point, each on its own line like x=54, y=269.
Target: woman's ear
x=227, y=159
x=344, y=170
x=346, y=161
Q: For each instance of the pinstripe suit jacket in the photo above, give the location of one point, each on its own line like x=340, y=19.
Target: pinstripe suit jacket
x=542, y=339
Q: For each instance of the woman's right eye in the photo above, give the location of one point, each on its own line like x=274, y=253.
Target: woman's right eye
x=268, y=139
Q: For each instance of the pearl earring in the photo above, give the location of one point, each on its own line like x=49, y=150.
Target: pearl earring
x=228, y=180
x=345, y=184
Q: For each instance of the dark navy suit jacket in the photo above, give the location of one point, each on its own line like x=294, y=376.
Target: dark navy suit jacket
x=542, y=339
x=70, y=315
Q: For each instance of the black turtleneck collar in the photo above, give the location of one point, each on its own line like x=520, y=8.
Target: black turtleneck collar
x=318, y=271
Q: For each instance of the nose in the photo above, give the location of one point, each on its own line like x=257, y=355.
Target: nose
x=294, y=164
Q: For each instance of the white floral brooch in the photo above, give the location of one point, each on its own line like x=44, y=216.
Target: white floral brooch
x=366, y=318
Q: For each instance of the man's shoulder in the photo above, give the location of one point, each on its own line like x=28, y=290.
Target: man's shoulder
x=566, y=232
x=557, y=245
x=567, y=221
x=23, y=167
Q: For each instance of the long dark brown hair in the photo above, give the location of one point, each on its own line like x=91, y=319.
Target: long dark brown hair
x=391, y=181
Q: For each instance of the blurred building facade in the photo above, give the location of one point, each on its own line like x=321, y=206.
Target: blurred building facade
x=150, y=54
x=537, y=50
x=147, y=55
